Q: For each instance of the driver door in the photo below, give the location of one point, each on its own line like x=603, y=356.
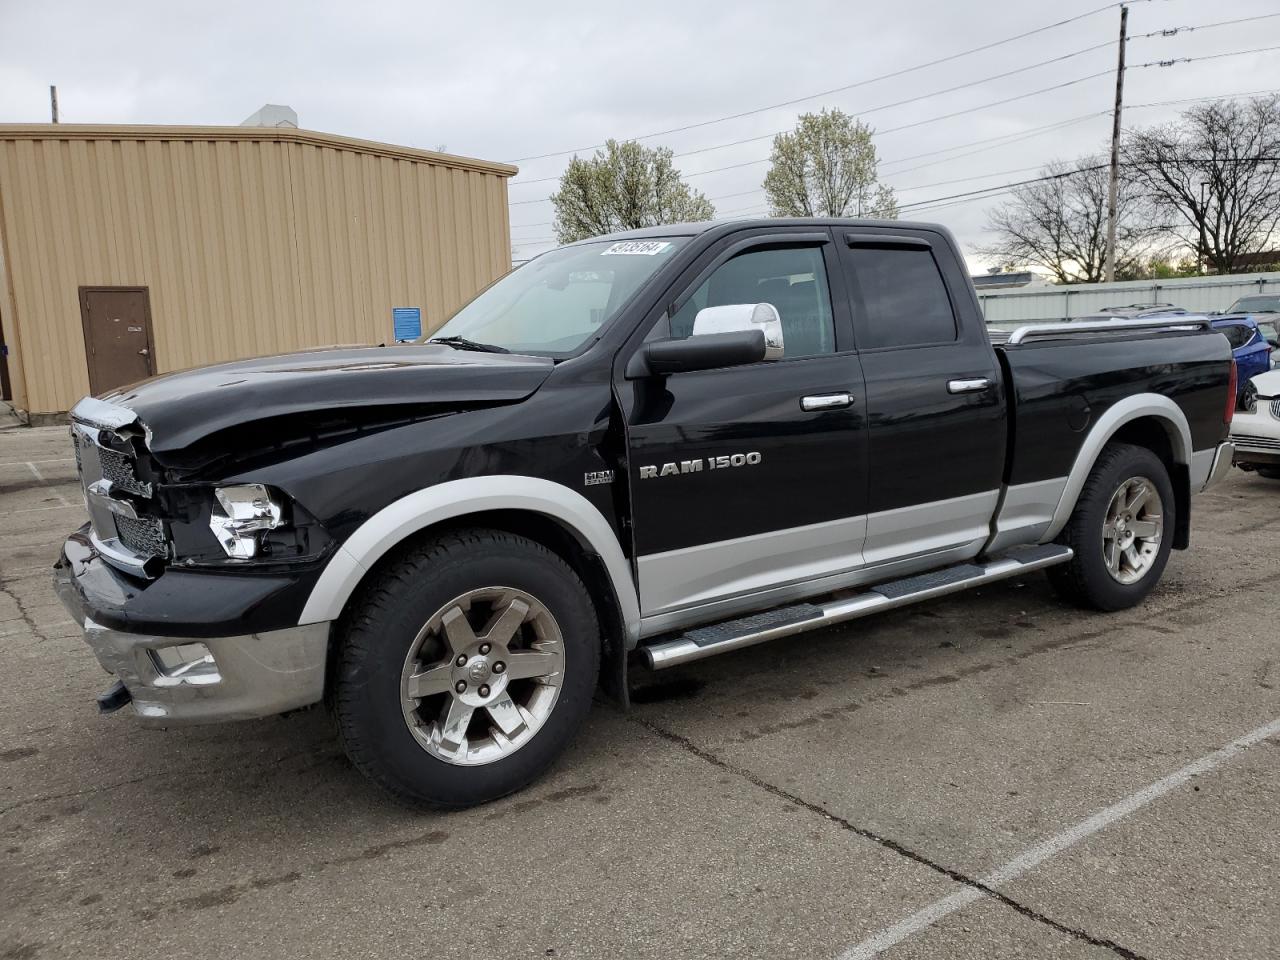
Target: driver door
x=748, y=483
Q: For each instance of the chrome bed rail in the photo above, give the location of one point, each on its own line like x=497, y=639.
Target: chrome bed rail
x=1034, y=331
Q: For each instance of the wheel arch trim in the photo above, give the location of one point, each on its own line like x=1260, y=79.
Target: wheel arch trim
x=1136, y=407
x=459, y=498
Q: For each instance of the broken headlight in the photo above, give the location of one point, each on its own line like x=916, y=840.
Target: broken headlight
x=248, y=509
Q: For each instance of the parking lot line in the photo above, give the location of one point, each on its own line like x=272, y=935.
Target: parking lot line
x=1033, y=857
x=63, y=504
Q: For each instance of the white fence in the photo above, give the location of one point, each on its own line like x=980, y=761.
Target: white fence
x=1197, y=294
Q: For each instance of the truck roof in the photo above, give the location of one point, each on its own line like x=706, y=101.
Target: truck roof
x=707, y=226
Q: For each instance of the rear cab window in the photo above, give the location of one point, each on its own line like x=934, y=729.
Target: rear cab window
x=903, y=297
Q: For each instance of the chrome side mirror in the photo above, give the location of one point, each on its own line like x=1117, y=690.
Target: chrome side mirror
x=738, y=317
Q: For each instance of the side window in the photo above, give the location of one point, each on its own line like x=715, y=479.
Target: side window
x=904, y=297
x=1237, y=334
x=793, y=279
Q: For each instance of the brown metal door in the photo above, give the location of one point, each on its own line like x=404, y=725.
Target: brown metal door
x=117, y=335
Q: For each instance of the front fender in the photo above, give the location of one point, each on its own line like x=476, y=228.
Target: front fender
x=458, y=498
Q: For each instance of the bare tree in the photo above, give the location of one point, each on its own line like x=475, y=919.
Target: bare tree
x=1059, y=223
x=1214, y=176
x=826, y=167
x=625, y=187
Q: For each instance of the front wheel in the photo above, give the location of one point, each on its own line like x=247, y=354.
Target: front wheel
x=465, y=668
x=1271, y=473
x=1120, y=531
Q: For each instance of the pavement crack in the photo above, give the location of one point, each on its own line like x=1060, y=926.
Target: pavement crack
x=888, y=843
x=23, y=613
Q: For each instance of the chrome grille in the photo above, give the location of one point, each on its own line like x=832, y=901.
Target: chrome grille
x=144, y=535
x=120, y=470
x=1255, y=443
x=120, y=503
x=1275, y=408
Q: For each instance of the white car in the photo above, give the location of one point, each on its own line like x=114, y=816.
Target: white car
x=1255, y=428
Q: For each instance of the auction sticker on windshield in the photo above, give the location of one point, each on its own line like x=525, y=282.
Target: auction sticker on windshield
x=641, y=248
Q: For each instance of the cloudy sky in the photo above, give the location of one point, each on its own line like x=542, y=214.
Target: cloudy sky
x=507, y=82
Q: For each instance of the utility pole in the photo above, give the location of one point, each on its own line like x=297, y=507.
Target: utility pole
x=1115, y=150
x=53, y=101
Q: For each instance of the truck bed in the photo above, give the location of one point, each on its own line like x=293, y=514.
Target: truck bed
x=1062, y=377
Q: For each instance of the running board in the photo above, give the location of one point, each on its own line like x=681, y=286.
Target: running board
x=703, y=642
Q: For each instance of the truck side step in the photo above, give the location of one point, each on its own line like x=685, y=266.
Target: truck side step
x=716, y=638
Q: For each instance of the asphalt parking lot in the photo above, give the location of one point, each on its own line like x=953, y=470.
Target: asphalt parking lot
x=993, y=775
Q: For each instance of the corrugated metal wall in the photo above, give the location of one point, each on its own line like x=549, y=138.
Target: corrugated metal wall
x=251, y=241
x=1197, y=294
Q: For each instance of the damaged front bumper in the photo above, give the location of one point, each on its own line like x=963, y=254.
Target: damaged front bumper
x=189, y=680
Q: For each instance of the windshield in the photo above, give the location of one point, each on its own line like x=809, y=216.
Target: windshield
x=557, y=302
x=1255, y=305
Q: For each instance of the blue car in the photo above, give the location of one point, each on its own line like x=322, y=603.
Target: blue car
x=1249, y=346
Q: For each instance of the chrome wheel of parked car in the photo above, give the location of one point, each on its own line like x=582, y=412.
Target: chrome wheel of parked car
x=1131, y=530
x=482, y=675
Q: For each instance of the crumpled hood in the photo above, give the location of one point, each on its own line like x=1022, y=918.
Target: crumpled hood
x=180, y=408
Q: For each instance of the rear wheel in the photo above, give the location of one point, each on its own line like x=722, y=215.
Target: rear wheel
x=1121, y=531
x=466, y=668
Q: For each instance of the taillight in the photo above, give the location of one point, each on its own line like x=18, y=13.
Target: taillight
x=1232, y=381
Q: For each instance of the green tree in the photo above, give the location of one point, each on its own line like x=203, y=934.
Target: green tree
x=826, y=167
x=622, y=188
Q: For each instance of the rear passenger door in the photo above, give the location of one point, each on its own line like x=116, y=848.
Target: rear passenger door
x=935, y=404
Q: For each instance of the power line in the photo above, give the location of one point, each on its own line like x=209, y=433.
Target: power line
x=1221, y=96
x=991, y=143
x=1174, y=31
x=1005, y=188
x=981, y=176
x=928, y=96
x=1168, y=32
x=841, y=89
x=1004, y=140
x=918, y=123
x=887, y=106
x=957, y=113
x=1213, y=56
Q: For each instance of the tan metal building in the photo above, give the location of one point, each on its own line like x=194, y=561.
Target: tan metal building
x=127, y=251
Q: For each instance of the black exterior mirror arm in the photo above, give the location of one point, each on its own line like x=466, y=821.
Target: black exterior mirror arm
x=705, y=352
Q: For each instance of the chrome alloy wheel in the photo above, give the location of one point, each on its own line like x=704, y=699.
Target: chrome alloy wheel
x=482, y=676
x=1132, y=529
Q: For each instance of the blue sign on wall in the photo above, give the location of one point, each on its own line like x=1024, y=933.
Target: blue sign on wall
x=407, y=322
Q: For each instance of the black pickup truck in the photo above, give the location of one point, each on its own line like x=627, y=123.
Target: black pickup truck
x=668, y=443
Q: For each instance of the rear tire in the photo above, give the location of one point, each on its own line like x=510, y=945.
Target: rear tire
x=1121, y=531
x=465, y=668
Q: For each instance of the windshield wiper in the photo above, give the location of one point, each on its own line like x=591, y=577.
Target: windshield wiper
x=462, y=343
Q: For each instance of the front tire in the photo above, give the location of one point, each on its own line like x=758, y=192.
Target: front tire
x=1121, y=531
x=1271, y=473
x=465, y=668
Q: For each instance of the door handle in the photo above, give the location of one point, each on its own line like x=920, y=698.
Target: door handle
x=826, y=401
x=975, y=385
